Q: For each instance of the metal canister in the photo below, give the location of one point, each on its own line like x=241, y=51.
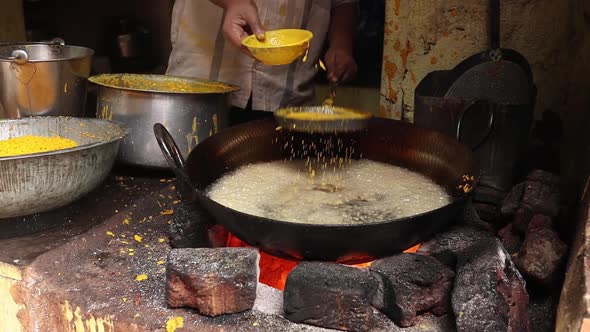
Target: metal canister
x=496, y=131
x=191, y=109
x=497, y=134
x=43, y=79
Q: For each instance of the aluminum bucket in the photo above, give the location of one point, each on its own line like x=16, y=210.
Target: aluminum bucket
x=43, y=79
x=140, y=101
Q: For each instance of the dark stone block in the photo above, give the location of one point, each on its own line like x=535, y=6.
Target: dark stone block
x=470, y=218
x=540, y=221
x=541, y=198
x=330, y=295
x=487, y=212
x=521, y=220
x=218, y=236
x=544, y=177
x=425, y=323
x=489, y=293
x=509, y=239
x=190, y=227
x=212, y=281
x=511, y=202
x=488, y=195
x=542, y=252
x=447, y=246
x=412, y=284
x=542, y=314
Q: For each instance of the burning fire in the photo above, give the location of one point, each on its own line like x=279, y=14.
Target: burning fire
x=274, y=270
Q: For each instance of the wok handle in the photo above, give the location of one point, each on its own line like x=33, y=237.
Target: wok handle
x=174, y=158
x=491, y=119
x=169, y=148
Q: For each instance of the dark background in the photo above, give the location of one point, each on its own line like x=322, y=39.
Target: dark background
x=368, y=44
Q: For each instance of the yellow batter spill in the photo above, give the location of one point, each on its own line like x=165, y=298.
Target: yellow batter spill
x=215, y=123
x=105, y=113
x=33, y=144
x=174, y=323
x=192, y=138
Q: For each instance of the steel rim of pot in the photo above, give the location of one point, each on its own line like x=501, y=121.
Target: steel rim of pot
x=21, y=56
x=96, y=80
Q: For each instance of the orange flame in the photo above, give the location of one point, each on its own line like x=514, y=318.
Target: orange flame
x=274, y=270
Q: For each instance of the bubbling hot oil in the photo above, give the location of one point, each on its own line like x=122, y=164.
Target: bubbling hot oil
x=357, y=192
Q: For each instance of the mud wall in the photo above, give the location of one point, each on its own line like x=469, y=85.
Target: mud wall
x=426, y=35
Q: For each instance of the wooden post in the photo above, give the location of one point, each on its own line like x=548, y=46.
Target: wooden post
x=574, y=307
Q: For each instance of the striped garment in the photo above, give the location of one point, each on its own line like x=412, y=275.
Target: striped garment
x=199, y=50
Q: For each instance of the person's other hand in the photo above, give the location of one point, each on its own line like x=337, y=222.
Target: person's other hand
x=241, y=19
x=341, y=65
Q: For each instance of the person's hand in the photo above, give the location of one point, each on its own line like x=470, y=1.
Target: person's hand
x=240, y=20
x=340, y=65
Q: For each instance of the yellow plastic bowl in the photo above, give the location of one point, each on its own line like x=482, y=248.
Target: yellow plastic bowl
x=279, y=47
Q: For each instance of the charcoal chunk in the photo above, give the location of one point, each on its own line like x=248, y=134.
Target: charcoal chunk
x=542, y=313
x=190, y=226
x=330, y=295
x=540, y=221
x=542, y=252
x=544, y=177
x=218, y=236
x=425, y=323
x=541, y=198
x=212, y=281
x=521, y=220
x=489, y=294
x=447, y=246
x=412, y=284
x=511, y=202
x=470, y=217
x=489, y=195
x=487, y=212
x=539, y=194
x=510, y=240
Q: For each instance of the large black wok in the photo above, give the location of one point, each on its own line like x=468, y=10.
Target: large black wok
x=430, y=153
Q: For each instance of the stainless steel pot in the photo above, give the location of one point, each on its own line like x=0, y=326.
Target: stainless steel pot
x=40, y=182
x=43, y=79
x=192, y=110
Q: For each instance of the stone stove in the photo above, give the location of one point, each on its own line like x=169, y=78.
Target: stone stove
x=113, y=276
x=409, y=289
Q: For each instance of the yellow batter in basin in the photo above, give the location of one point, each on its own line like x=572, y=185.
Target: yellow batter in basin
x=33, y=144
